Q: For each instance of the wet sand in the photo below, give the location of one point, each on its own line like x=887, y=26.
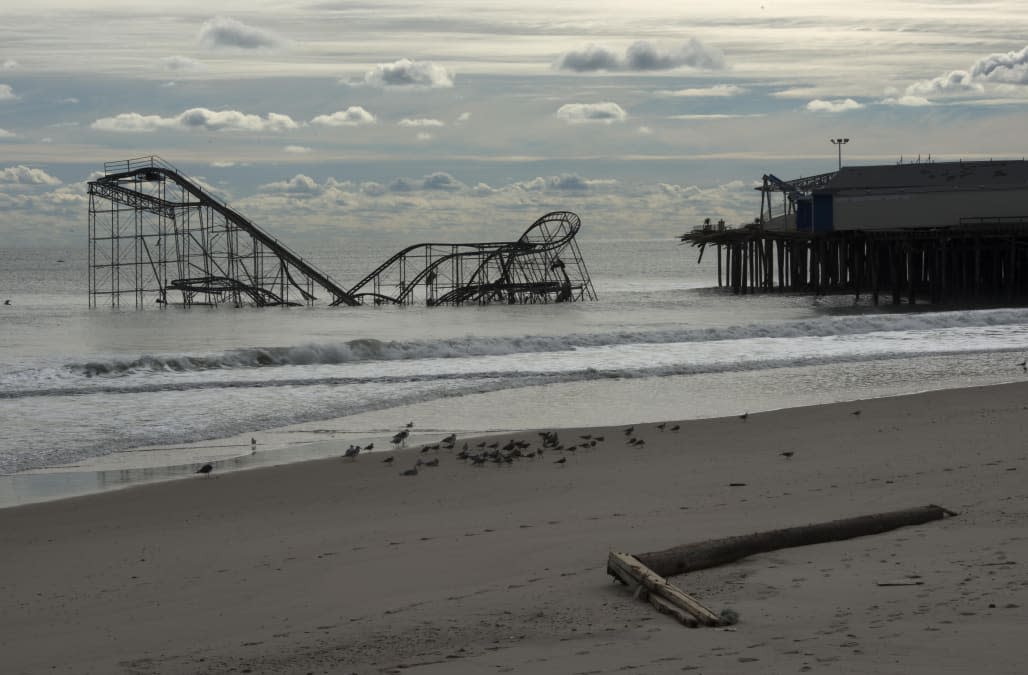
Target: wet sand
x=342, y=566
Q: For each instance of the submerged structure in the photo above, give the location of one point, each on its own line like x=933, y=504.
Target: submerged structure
x=155, y=235
x=935, y=231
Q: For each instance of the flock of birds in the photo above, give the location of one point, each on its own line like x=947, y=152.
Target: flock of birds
x=492, y=452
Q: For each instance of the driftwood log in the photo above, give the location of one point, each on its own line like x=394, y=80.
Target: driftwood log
x=714, y=552
x=665, y=597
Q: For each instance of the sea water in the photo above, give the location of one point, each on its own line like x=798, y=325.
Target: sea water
x=91, y=398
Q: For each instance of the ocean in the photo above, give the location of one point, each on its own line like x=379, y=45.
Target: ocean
x=93, y=399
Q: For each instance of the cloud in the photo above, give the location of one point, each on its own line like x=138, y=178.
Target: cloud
x=643, y=56
x=1008, y=68
x=408, y=73
x=953, y=82
x=181, y=64
x=644, y=130
x=8, y=64
x=836, y=106
x=197, y=118
x=606, y=112
x=71, y=100
x=593, y=57
x=351, y=117
x=441, y=181
x=297, y=149
x=906, y=100
x=463, y=117
x=4, y=133
x=222, y=31
x=24, y=175
x=420, y=122
x=424, y=136
x=298, y=184
x=718, y=90
x=6, y=93
x=564, y=182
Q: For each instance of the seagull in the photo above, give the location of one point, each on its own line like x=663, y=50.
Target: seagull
x=787, y=454
x=352, y=451
x=432, y=462
x=450, y=440
x=855, y=412
x=744, y=416
x=599, y=439
x=413, y=471
x=401, y=438
x=410, y=425
x=662, y=425
x=561, y=460
x=205, y=469
x=369, y=446
x=629, y=430
x=675, y=428
x=388, y=460
x=1023, y=364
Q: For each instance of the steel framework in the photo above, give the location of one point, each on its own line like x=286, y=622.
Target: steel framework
x=543, y=265
x=153, y=230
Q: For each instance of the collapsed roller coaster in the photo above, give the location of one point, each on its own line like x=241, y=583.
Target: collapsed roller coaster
x=154, y=232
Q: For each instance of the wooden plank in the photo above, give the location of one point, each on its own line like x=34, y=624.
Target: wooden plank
x=665, y=607
x=623, y=565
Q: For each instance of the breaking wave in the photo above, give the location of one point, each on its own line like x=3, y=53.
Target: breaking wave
x=368, y=349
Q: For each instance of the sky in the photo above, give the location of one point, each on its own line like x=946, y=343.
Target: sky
x=450, y=120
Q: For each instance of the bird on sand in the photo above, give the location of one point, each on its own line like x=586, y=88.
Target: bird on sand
x=787, y=454
x=1023, y=364
x=401, y=438
x=744, y=416
x=432, y=462
x=662, y=425
x=855, y=412
x=388, y=460
x=369, y=446
x=352, y=451
x=561, y=460
x=205, y=469
x=410, y=425
x=450, y=440
x=413, y=471
x=629, y=430
x=675, y=428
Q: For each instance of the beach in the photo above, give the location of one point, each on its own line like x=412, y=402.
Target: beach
x=339, y=566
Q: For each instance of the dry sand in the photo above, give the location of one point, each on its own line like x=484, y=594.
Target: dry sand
x=340, y=566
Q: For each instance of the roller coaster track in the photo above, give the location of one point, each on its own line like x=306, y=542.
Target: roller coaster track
x=532, y=269
x=153, y=230
x=219, y=255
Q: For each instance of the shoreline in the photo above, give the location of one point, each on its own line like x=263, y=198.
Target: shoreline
x=334, y=564
x=649, y=400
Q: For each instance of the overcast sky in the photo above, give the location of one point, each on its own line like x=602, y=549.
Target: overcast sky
x=448, y=118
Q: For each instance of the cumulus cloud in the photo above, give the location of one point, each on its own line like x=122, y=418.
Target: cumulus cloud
x=4, y=133
x=1009, y=68
x=6, y=93
x=24, y=175
x=718, y=90
x=71, y=100
x=643, y=56
x=351, y=117
x=408, y=73
x=424, y=136
x=953, y=82
x=420, y=122
x=606, y=112
x=222, y=31
x=463, y=117
x=564, y=182
x=298, y=184
x=181, y=64
x=836, y=106
x=297, y=149
x=197, y=118
x=906, y=100
x=8, y=64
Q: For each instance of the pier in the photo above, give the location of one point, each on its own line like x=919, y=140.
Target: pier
x=934, y=232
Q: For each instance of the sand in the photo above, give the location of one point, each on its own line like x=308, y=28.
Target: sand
x=338, y=566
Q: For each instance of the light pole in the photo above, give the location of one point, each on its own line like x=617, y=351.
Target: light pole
x=839, y=142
